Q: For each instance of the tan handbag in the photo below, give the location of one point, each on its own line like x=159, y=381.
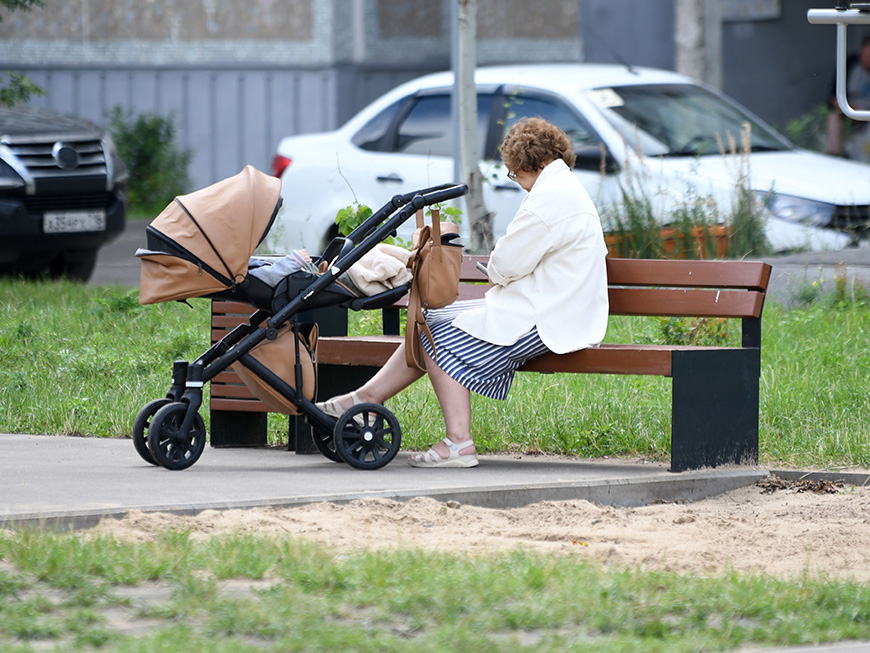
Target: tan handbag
x=435, y=268
x=279, y=356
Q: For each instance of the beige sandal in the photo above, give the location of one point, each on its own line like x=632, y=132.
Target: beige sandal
x=432, y=458
x=332, y=408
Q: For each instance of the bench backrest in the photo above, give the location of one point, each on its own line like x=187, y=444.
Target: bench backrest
x=670, y=288
x=673, y=288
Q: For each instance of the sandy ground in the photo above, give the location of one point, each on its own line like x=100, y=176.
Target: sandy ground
x=776, y=527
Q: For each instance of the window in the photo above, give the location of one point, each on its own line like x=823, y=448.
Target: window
x=526, y=105
x=427, y=128
x=679, y=120
x=374, y=133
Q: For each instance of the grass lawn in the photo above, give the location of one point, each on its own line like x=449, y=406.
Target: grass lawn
x=83, y=360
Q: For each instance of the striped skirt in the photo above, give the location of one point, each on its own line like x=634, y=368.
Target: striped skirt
x=480, y=366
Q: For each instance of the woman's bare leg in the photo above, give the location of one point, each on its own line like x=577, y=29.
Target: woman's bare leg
x=455, y=400
x=395, y=376
x=389, y=381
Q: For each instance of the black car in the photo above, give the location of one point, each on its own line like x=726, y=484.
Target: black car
x=63, y=193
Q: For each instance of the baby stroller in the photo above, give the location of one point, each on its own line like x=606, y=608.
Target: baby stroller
x=201, y=246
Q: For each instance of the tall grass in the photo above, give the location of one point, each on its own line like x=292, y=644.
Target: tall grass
x=83, y=360
x=694, y=226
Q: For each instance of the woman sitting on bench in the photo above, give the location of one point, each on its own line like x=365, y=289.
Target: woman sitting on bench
x=549, y=294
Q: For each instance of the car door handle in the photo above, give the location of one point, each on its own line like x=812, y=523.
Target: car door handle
x=512, y=187
x=392, y=177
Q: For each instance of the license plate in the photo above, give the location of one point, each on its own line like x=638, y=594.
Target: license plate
x=64, y=222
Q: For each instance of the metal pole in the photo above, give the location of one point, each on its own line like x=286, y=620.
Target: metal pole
x=842, y=18
x=454, y=100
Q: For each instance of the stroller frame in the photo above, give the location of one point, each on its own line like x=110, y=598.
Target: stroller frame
x=170, y=431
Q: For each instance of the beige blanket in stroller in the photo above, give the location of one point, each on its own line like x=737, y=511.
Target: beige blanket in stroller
x=383, y=268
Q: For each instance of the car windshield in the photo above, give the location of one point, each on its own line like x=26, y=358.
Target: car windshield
x=681, y=120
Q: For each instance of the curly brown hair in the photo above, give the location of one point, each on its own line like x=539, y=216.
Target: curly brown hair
x=532, y=143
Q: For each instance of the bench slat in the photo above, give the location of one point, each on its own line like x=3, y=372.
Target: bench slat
x=670, y=302
x=609, y=358
x=685, y=302
x=228, y=322
x=228, y=376
x=230, y=391
x=225, y=306
x=469, y=271
x=753, y=275
x=357, y=350
x=239, y=405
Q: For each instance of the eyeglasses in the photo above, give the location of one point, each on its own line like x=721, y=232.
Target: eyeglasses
x=511, y=175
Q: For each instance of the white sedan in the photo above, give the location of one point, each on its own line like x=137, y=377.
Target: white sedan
x=649, y=132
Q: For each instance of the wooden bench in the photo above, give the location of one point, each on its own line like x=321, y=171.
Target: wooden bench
x=715, y=390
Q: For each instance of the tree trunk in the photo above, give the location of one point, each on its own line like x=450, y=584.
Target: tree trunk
x=689, y=38
x=479, y=219
x=698, y=39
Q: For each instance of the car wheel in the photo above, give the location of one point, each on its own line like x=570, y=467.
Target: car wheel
x=74, y=264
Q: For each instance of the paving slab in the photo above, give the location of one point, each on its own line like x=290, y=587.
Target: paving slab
x=69, y=482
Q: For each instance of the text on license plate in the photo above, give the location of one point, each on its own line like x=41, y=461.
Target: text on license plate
x=59, y=222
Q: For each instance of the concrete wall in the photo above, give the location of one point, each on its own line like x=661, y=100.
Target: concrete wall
x=774, y=62
x=627, y=31
x=238, y=75
x=783, y=68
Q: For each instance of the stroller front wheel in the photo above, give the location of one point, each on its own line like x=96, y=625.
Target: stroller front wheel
x=370, y=442
x=140, y=428
x=168, y=445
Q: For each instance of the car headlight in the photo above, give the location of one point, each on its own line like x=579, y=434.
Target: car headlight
x=116, y=171
x=9, y=178
x=13, y=174
x=797, y=209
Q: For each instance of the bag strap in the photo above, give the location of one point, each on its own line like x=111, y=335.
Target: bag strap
x=415, y=326
x=436, y=224
x=416, y=323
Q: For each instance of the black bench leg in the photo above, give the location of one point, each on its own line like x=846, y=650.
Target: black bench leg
x=714, y=408
x=237, y=429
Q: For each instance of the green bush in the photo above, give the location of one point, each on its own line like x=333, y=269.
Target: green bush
x=158, y=168
x=690, y=229
x=808, y=129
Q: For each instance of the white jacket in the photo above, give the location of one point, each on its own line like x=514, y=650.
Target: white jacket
x=548, y=270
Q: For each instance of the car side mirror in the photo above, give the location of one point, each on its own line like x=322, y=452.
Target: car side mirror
x=595, y=157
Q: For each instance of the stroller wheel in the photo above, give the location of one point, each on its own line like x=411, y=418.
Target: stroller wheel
x=325, y=444
x=140, y=428
x=168, y=445
x=372, y=444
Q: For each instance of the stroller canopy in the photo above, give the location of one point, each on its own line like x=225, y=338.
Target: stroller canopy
x=202, y=242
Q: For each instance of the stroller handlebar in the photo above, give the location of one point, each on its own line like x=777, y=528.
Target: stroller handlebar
x=344, y=252
x=399, y=201
x=447, y=192
x=427, y=196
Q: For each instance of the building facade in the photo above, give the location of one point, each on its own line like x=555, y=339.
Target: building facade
x=238, y=75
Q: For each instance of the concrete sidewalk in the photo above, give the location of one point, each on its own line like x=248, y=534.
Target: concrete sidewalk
x=72, y=482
